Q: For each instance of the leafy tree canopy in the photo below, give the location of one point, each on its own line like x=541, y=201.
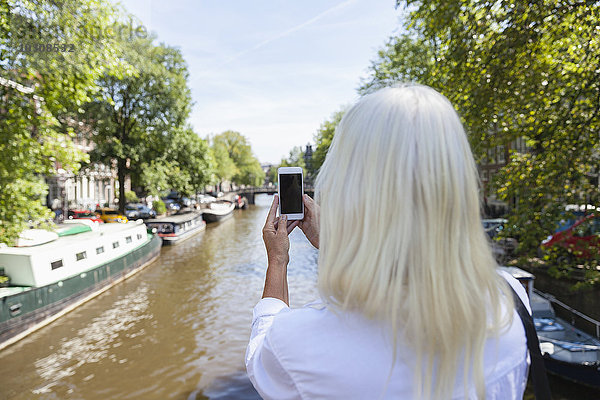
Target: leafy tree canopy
x=295, y=159
x=136, y=116
x=513, y=69
x=42, y=93
x=248, y=170
x=225, y=167
x=323, y=140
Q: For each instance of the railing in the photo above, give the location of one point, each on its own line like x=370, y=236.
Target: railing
x=570, y=346
x=554, y=300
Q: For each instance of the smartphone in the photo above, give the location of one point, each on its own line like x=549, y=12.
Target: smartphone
x=291, y=188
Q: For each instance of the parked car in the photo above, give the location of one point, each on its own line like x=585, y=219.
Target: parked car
x=109, y=215
x=145, y=212
x=501, y=246
x=206, y=198
x=131, y=211
x=580, y=240
x=138, y=210
x=84, y=214
x=493, y=226
x=171, y=205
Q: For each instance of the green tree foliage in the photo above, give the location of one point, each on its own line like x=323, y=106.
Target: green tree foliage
x=195, y=157
x=247, y=167
x=159, y=206
x=323, y=140
x=513, y=69
x=41, y=93
x=404, y=58
x=186, y=165
x=225, y=168
x=135, y=115
x=131, y=197
x=272, y=174
x=157, y=176
x=295, y=159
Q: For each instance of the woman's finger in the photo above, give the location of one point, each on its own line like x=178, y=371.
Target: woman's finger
x=282, y=223
x=291, y=226
x=308, y=204
x=272, y=212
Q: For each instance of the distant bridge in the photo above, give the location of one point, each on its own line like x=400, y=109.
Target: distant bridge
x=250, y=192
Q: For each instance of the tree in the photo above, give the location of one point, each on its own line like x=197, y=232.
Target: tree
x=248, y=170
x=41, y=92
x=194, y=159
x=135, y=114
x=225, y=168
x=323, y=140
x=407, y=57
x=295, y=159
x=514, y=69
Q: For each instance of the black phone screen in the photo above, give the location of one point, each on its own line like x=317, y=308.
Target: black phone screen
x=290, y=190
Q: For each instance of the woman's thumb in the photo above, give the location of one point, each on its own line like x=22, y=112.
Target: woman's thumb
x=282, y=226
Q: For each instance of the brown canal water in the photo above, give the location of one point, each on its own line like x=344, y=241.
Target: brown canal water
x=176, y=330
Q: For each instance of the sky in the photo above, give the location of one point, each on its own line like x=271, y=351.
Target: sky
x=273, y=70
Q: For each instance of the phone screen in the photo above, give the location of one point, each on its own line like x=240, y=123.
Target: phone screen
x=290, y=191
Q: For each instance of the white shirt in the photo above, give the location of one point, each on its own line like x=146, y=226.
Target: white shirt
x=313, y=353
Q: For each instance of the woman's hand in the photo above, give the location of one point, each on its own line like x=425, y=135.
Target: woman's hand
x=310, y=223
x=277, y=243
x=275, y=235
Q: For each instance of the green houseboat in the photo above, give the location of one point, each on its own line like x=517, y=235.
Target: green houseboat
x=56, y=272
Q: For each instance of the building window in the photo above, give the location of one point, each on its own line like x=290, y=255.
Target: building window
x=484, y=175
x=115, y=245
x=139, y=236
x=500, y=154
x=81, y=256
x=100, y=250
x=491, y=156
x=56, y=264
x=128, y=239
x=520, y=145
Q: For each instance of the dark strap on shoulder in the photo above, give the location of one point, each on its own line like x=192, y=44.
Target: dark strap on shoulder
x=538, y=370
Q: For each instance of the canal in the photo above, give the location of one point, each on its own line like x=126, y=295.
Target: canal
x=176, y=330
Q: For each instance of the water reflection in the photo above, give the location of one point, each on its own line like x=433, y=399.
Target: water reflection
x=93, y=342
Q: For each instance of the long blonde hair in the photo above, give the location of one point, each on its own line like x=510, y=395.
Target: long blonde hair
x=401, y=236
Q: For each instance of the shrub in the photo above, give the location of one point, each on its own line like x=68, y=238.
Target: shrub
x=131, y=197
x=159, y=207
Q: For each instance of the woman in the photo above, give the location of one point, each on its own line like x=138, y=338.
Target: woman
x=413, y=306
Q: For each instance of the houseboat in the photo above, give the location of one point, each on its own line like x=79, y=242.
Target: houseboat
x=176, y=228
x=51, y=274
x=568, y=351
x=218, y=211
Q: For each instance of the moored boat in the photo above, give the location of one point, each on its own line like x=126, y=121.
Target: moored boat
x=53, y=277
x=176, y=228
x=568, y=351
x=218, y=211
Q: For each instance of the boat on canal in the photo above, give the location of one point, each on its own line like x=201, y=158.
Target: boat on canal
x=176, y=228
x=568, y=351
x=218, y=211
x=51, y=273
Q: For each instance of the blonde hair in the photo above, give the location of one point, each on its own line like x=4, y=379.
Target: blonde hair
x=401, y=236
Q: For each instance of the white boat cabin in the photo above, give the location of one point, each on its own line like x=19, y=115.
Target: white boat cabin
x=70, y=255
